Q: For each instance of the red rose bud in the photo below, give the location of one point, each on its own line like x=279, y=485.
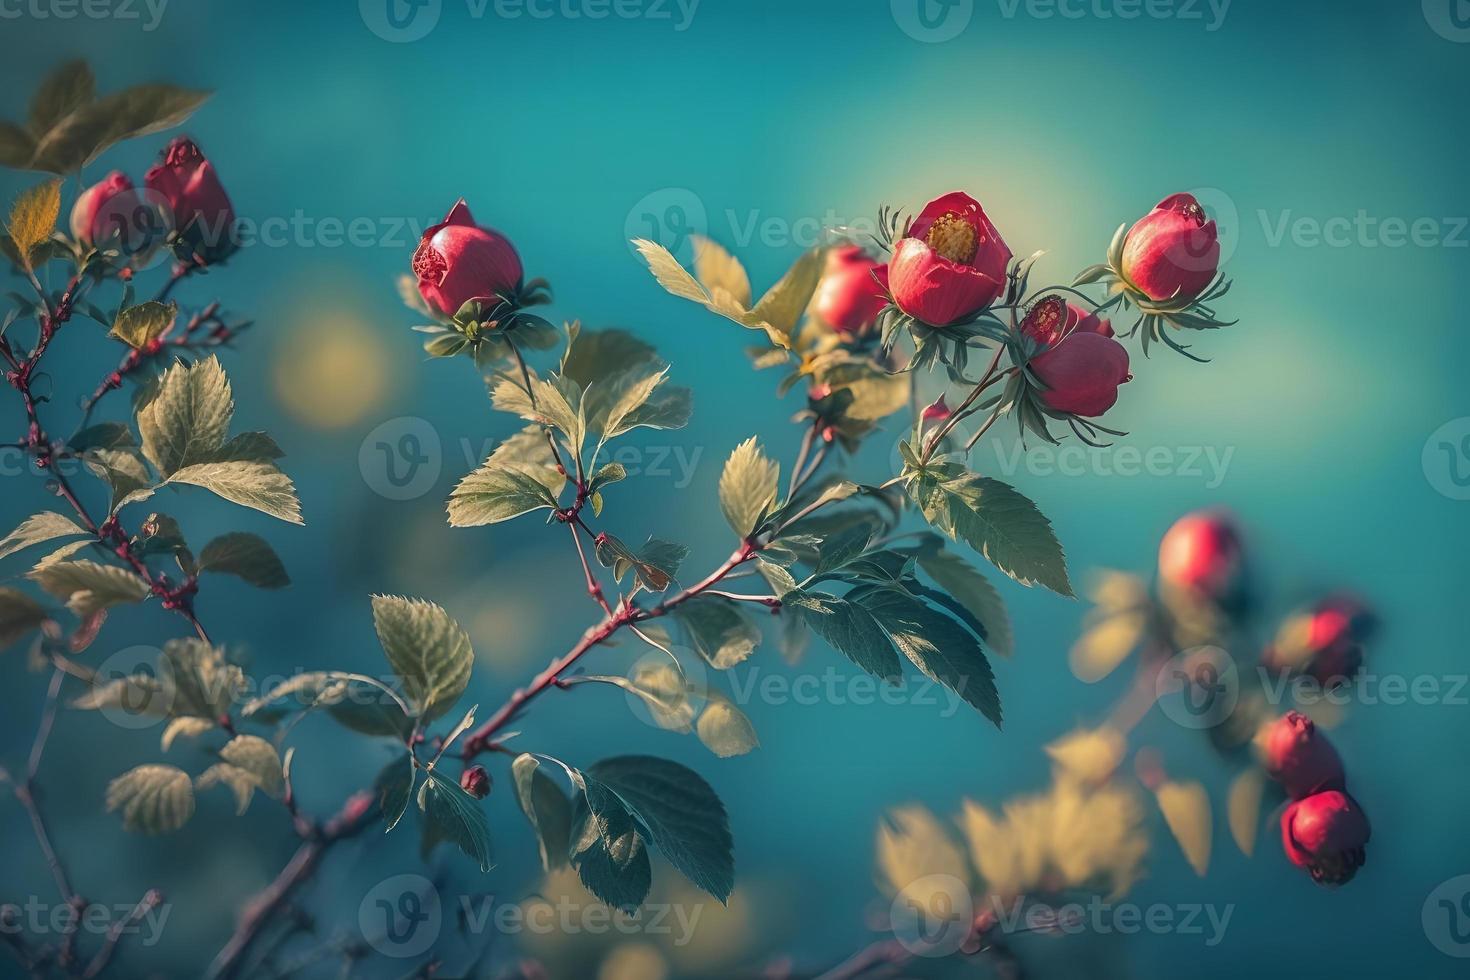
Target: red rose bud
x=1080, y=363
x=91, y=218
x=1324, y=643
x=202, y=212
x=1326, y=834
x=1173, y=252
x=458, y=261
x=853, y=290
x=1201, y=553
x=952, y=263
x=475, y=781
x=1300, y=758
x=939, y=411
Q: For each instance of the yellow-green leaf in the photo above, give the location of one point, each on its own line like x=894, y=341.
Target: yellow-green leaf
x=33, y=217
x=137, y=325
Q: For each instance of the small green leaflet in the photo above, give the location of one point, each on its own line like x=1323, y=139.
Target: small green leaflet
x=427, y=649
x=247, y=556
x=19, y=614
x=973, y=592
x=748, y=487
x=153, y=799
x=719, y=631
x=497, y=491
x=546, y=807
x=850, y=629
x=394, y=787
x=259, y=486
x=88, y=586
x=724, y=729
x=45, y=526
x=189, y=417
x=451, y=814
x=137, y=325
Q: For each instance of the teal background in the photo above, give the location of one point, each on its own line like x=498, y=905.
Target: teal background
x=563, y=132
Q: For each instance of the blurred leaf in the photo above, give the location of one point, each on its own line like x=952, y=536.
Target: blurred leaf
x=187, y=727
x=137, y=325
x=876, y=394
x=997, y=521
x=153, y=799
x=547, y=808
x=725, y=730
x=1105, y=644
x=187, y=420
x=45, y=526
x=394, y=787
x=680, y=814
x=33, y=218
x=138, y=694
x=720, y=272
x=16, y=146
x=19, y=614
x=718, y=631
x=1244, y=808
x=247, y=556
x=663, y=689
x=748, y=487
x=427, y=649
x=198, y=680
x=65, y=90
x=103, y=435
x=84, y=133
x=453, y=815
x=498, y=491
x=1089, y=755
x=1186, y=809
x=239, y=782
x=913, y=846
x=87, y=586
x=124, y=473
x=259, y=759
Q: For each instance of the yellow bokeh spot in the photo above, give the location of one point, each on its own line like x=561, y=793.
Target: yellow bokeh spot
x=331, y=371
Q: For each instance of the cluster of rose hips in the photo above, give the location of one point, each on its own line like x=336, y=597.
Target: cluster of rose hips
x=183, y=196
x=1323, y=829
x=951, y=263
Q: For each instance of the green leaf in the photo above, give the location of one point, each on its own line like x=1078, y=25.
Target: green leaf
x=16, y=146
x=850, y=629
x=259, y=759
x=647, y=403
x=124, y=472
x=527, y=452
x=198, y=680
x=188, y=418
x=237, y=780
x=103, y=435
x=725, y=730
x=45, y=526
x=87, y=586
x=939, y=646
x=748, y=487
x=720, y=272
x=655, y=564
x=781, y=308
x=187, y=727
x=453, y=815
x=138, y=694
x=65, y=90
x=247, y=556
x=259, y=486
x=153, y=799
x=498, y=491
x=394, y=787
x=662, y=687
x=248, y=447
x=997, y=521
x=720, y=632
x=680, y=815
x=613, y=863
x=138, y=111
x=546, y=807
x=974, y=593
x=19, y=614
x=556, y=403
x=137, y=325
x=427, y=649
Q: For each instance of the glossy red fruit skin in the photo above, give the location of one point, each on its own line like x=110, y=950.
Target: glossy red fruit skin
x=90, y=219
x=937, y=290
x=1173, y=252
x=1299, y=757
x=853, y=290
x=1080, y=363
x=458, y=261
x=1201, y=554
x=1327, y=835
x=201, y=210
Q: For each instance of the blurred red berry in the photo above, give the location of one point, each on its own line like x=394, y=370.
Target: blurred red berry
x=853, y=290
x=91, y=219
x=951, y=264
x=475, y=781
x=1173, y=252
x=202, y=212
x=1201, y=554
x=1326, y=834
x=1080, y=363
x=1325, y=642
x=458, y=261
x=1300, y=758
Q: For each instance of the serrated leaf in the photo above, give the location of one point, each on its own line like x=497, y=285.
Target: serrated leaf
x=939, y=646
x=88, y=586
x=720, y=272
x=678, y=281
x=718, y=631
x=247, y=556
x=259, y=486
x=137, y=325
x=124, y=472
x=781, y=308
x=725, y=730
x=186, y=727
x=555, y=402
x=613, y=867
x=45, y=526
x=453, y=815
x=974, y=592
x=188, y=418
x=19, y=614
x=850, y=629
x=198, y=680
x=748, y=487
x=498, y=491
x=259, y=759
x=153, y=799
x=679, y=813
x=997, y=521
x=33, y=218
x=547, y=808
x=646, y=403
x=427, y=649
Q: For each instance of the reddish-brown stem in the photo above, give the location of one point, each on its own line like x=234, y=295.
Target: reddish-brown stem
x=959, y=413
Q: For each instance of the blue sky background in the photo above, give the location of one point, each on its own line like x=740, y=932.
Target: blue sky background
x=756, y=123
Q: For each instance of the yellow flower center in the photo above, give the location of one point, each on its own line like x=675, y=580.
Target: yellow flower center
x=953, y=237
